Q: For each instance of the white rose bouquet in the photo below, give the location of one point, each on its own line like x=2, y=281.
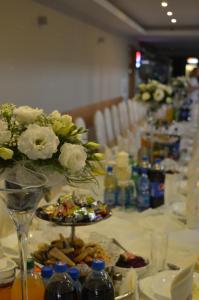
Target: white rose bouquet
x=38, y=140
x=154, y=93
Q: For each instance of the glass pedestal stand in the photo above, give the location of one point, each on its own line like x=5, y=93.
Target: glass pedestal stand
x=72, y=225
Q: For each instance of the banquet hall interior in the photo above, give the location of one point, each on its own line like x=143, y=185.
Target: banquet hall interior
x=99, y=150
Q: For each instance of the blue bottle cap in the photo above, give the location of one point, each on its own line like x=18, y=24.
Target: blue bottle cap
x=98, y=265
x=158, y=161
x=46, y=272
x=145, y=158
x=60, y=267
x=74, y=273
x=109, y=168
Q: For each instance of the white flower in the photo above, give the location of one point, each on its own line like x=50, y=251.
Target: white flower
x=146, y=96
x=168, y=90
x=5, y=134
x=62, y=124
x=168, y=100
x=159, y=95
x=38, y=142
x=73, y=157
x=55, y=114
x=27, y=114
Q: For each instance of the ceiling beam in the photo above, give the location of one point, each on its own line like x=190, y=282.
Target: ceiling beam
x=120, y=15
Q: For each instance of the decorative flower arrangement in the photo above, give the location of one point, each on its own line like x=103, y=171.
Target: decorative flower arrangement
x=179, y=85
x=179, y=82
x=38, y=140
x=154, y=92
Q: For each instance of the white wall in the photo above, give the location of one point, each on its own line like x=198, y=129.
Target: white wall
x=62, y=65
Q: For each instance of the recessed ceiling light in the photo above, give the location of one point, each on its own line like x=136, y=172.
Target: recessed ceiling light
x=164, y=4
x=173, y=21
x=169, y=13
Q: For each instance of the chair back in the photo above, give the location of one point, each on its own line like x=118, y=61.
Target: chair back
x=181, y=287
x=115, y=120
x=109, y=126
x=123, y=116
x=100, y=129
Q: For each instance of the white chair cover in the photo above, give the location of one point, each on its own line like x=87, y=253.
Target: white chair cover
x=135, y=109
x=109, y=126
x=100, y=129
x=181, y=288
x=123, y=115
x=81, y=123
x=131, y=112
x=115, y=120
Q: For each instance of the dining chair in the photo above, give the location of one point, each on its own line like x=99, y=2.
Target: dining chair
x=109, y=127
x=123, y=117
x=81, y=123
x=131, y=113
x=100, y=129
x=181, y=287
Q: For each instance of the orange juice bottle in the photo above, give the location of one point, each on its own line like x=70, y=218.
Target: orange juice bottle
x=7, y=276
x=35, y=285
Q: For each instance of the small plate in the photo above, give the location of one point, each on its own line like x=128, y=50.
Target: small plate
x=161, y=284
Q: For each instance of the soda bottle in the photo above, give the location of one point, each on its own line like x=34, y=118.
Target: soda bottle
x=110, y=185
x=157, y=179
x=98, y=285
x=35, y=284
x=74, y=274
x=46, y=274
x=60, y=286
x=143, y=199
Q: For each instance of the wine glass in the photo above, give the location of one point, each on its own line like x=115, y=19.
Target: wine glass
x=21, y=190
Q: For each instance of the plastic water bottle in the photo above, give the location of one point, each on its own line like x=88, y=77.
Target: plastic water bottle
x=143, y=199
x=98, y=285
x=60, y=286
x=74, y=274
x=46, y=274
x=110, y=185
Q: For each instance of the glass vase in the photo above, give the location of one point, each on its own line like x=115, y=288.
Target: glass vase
x=21, y=190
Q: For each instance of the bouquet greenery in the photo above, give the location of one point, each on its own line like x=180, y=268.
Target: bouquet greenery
x=40, y=141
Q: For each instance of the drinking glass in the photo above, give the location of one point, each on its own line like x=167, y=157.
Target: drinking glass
x=159, y=249
x=21, y=190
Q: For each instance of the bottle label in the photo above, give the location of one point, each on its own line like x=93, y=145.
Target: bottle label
x=157, y=189
x=110, y=198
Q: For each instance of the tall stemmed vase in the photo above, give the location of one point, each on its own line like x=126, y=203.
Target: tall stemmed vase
x=21, y=190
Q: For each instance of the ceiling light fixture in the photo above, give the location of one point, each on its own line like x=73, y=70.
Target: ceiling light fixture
x=192, y=60
x=173, y=21
x=169, y=13
x=164, y=4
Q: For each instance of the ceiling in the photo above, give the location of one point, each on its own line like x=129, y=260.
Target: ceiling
x=143, y=21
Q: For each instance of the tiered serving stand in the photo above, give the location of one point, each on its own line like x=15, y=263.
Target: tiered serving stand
x=41, y=215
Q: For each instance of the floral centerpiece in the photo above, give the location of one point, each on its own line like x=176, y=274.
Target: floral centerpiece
x=179, y=82
x=40, y=141
x=154, y=94
x=179, y=85
x=33, y=143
